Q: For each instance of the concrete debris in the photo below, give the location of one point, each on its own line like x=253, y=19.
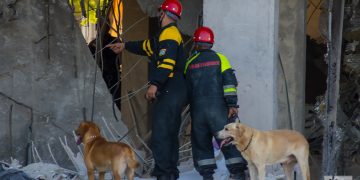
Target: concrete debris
x=49, y=171
x=350, y=84
x=352, y=11
x=347, y=133
x=313, y=125
x=356, y=134
x=11, y=174
x=38, y=171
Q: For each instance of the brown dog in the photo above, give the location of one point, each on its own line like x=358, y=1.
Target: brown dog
x=261, y=148
x=102, y=155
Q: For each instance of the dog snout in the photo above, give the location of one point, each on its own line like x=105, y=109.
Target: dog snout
x=220, y=134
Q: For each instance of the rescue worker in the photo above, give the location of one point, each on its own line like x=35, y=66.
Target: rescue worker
x=211, y=84
x=167, y=88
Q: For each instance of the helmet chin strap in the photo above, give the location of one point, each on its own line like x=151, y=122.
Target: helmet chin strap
x=171, y=15
x=167, y=13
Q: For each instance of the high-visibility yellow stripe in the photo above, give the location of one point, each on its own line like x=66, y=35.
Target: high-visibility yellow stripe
x=171, y=74
x=149, y=47
x=144, y=48
x=171, y=33
x=225, y=65
x=189, y=62
x=166, y=66
x=230, y=90
x=169, y=61
x=115, y=18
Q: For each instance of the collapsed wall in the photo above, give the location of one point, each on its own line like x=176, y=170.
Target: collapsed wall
x=47, y=77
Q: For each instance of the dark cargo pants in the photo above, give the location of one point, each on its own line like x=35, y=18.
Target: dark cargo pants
x=166, y=120
x=209, y=116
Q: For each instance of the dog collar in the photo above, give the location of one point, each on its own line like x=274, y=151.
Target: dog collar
x=91, y=138
x=247, y=146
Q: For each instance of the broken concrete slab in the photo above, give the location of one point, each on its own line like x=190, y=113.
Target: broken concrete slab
x=47, y=80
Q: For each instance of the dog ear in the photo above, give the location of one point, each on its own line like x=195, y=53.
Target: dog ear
x=240, y=129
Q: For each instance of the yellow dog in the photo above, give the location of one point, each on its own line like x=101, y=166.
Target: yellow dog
x=261, y=148
x=102, y=155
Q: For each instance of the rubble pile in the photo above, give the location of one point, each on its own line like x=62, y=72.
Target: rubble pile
x=314, y=129
x=350, y=83
x=348, y=115
x=38, y=171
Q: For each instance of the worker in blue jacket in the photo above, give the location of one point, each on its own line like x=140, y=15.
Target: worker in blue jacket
x=211, y=84
x=167, y=88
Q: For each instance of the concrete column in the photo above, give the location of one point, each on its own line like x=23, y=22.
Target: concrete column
x=292, y=50
x=246, y=32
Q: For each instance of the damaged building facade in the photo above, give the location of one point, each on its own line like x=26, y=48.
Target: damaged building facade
x=49, y=80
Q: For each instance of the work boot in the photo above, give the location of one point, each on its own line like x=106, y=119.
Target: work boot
x=237, y=176
x=208, y=177
x=173, y=177
x=163, y=177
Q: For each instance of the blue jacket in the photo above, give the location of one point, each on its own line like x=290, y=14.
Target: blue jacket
x=209, y=75
x=166, y=53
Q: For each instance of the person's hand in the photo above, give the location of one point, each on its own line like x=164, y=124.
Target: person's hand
x=151, y=93
x=232, y=111
x=116, y=47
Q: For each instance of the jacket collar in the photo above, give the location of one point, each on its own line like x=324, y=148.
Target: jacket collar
x=205, y=50
x=169, y=25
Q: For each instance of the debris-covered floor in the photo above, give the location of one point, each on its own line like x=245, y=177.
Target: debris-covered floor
x=54, y=172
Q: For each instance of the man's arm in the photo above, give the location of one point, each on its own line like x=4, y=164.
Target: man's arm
x=143, y=47
x=229, y=85
x=169, y=42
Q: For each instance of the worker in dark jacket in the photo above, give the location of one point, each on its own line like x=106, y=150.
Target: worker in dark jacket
x=211, y=84
x=167, y=88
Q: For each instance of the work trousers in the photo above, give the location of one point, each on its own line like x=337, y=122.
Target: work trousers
x=166, y=120
x=209, y=116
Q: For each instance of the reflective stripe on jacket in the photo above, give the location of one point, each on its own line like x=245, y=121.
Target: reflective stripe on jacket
x=165, y=51
x=209, y=74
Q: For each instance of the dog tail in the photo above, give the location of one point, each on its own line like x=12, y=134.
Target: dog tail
x=132, y=162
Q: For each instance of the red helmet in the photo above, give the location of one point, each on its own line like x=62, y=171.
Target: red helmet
x=172, y=6
x=204, y=34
